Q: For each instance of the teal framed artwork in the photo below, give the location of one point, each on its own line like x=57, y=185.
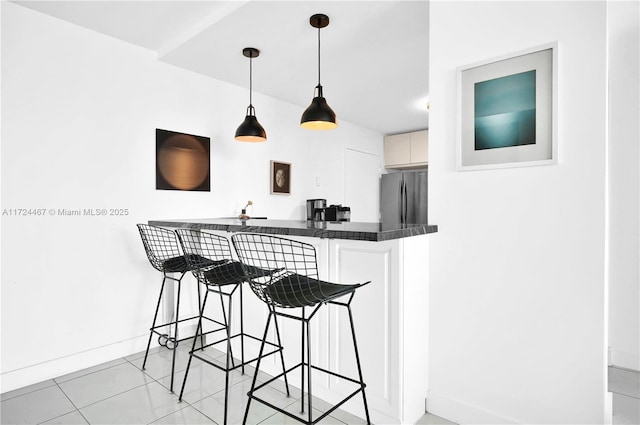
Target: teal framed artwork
x=507, y=110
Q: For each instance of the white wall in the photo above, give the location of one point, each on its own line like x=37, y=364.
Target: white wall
x=624, y=182
x=79, y=113
x=517, y=310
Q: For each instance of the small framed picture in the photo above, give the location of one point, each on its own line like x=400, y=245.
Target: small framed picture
x=280, y=178
x=507, y=110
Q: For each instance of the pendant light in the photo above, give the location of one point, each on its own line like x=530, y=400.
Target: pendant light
x=250, y=130
x=319, y=115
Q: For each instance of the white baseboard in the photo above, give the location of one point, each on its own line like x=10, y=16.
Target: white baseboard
x=50, y=369
x=462, y=413
x=624, y=359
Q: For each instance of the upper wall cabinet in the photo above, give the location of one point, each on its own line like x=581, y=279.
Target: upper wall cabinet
x=406, y=150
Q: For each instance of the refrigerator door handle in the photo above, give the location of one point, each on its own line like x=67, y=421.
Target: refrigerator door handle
x=404, y=199
x=400, y=203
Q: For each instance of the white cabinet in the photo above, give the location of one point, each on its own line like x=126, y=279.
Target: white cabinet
x=391, y=320
x=420, y=147
x=406, y=150
x=397, y=150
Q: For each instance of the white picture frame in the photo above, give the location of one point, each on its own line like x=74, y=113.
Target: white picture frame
x=507, y=110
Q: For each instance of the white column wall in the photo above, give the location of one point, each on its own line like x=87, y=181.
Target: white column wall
x=79, y=113
x=517, y=269
x=623, y=19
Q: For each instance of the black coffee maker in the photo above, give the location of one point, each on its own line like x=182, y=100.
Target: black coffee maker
x=315, y=209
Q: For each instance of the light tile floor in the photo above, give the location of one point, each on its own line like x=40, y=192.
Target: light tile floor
x=120, y=392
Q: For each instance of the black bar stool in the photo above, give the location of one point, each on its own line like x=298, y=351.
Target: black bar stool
x=210, y=259
x=290, y=281
x=164, y=254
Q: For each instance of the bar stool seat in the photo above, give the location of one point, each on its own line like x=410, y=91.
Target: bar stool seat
x=295, y=290
x=226, y=273
x=181, y=265
x=289, y=280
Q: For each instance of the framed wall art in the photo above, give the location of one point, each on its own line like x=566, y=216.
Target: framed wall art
x=507, y=110
x=280, y=178
x=182, y=161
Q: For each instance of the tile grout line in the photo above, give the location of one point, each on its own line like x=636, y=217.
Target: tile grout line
x=113, y=395
x=86, y=374
x=53, y=383
x=187, y=404
x=70, y=401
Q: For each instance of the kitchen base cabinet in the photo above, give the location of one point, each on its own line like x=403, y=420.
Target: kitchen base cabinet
x=391, y=319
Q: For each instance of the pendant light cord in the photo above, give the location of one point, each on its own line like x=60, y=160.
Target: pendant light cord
x=318, y=55
x=251, y=79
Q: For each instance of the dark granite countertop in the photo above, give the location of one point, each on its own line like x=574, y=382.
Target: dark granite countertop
x=316, y=229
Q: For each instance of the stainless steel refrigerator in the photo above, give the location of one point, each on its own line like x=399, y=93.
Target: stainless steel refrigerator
x=403, y=197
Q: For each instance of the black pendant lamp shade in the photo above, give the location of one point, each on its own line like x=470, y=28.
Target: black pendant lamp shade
x=250, y=130
x=319, y=115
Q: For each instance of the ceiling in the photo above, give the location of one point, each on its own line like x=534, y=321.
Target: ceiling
x=374, y=53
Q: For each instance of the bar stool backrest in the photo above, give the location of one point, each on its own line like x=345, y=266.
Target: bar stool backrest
x=269, y=259
x=203, y=248
x=269, y=252
x=161, y=246
x=210, y=258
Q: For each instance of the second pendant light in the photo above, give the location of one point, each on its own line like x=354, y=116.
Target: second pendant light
x=319, y=115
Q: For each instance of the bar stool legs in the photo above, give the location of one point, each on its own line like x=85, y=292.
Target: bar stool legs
x=306, y=369
x=230, y=363
x=255, y=375
x=355, y=348
x=166, y=340
x=193, y=346
x=153, y=325
x=305, y=324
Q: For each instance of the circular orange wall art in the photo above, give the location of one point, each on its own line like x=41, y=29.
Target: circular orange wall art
x=182, y=161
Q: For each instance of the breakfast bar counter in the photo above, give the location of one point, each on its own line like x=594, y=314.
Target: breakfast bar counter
x=317, y=229
x=390, y=313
